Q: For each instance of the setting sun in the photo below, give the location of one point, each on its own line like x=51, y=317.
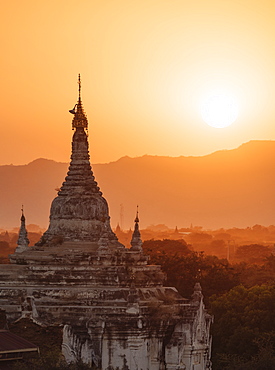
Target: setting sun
x=219, y=110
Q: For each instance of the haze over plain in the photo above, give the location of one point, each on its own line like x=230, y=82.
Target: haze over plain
x=233, y=188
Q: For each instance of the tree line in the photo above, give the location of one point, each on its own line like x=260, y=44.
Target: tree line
x=241, y=296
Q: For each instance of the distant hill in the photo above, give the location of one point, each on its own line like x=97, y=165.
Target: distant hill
x=224, y=189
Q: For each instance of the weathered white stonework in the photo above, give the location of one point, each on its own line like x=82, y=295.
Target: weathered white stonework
x=23, y=241
x=112, y=303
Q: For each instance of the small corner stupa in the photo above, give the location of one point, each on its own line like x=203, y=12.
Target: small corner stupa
x=136, y=242
x=23, y=241
x=112, y=304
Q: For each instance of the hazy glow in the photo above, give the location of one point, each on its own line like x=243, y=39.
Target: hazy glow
x=145, y=66
x=219, y=110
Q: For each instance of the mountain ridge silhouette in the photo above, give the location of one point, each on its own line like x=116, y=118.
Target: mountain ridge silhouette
x=226, y=188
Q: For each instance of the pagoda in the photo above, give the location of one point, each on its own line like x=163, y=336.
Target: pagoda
x=113, y=306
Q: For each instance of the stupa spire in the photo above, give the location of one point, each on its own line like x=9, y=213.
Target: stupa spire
x=136, y=241
x=80, y=119
x=79, y=212
x=137, y=219
x=23, y=241
x=79, y=87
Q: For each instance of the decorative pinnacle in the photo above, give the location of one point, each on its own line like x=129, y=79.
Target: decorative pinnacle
x=137, y=219
x=80, y=119
x=22, y=216
x=136, y=241
x=79, y=87
x=23, y=241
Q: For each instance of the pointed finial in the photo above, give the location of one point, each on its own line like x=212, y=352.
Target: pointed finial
x=79, y=87
x=136, y=241
x=137, y=219
x=80, y=119
x=22, y=216
x=23, y=241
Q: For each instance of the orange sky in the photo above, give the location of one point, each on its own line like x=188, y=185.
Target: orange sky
x=145, y=67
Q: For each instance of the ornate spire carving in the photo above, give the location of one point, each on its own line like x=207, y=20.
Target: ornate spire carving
x=23, y=241
x=79, y=212
x=136, y=241
x=80, y=119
